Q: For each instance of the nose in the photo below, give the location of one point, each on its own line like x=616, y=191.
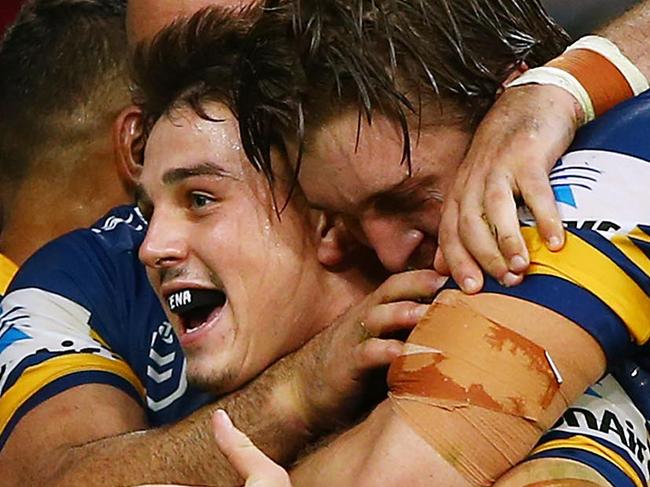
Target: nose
x=393, y=240
x=165, y=244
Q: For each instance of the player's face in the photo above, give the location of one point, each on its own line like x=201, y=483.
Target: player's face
x=394, y=212
x=246, y=287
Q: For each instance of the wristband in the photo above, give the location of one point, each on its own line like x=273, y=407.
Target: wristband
x=594, y=71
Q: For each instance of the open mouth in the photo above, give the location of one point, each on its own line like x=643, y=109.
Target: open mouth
x=196, y=307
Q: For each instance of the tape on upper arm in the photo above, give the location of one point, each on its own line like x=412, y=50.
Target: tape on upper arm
x=476, y=362
x=479, y=392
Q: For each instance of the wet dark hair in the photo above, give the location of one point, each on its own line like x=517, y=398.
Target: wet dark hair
x=227, y=56
x=58, y=57
x=301, y=61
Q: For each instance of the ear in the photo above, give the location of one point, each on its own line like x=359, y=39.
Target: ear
x=333, y=240
x=517, y=70
x=128, y=144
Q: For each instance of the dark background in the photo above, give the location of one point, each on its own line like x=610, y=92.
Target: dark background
x=580, y=17
x=8, y=10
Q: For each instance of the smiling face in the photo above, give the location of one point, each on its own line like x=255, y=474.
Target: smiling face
x=385, y=207
x=246, y=287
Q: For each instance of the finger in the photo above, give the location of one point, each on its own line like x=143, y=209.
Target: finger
x=412, y=285
x=540, y=199
x=440, y=264
x=501, y=214
x=480, y=242
x=391, y=317
x=460, y=264
x=244, y=456
x=375, y=352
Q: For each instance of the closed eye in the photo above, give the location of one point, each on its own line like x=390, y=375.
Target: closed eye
x=405, y=202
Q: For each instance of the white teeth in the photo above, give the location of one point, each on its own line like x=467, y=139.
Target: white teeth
x=189, y=331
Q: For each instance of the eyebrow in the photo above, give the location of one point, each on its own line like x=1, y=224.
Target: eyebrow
x=407, y=186
x=202, y=169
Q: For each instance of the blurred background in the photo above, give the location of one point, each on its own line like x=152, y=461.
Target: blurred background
x=8, y=10
x=577, y=16
x=581, y=17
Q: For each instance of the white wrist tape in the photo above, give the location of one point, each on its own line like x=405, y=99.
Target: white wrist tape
x=606, y=48
x=590, y=87
x=547, y=75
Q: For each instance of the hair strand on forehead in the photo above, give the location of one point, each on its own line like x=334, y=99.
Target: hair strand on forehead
x=286, y=69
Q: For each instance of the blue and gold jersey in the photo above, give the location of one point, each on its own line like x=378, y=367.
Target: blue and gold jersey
x=600, y=280
x=81, y=311
x=7, y=272
x=605, y=430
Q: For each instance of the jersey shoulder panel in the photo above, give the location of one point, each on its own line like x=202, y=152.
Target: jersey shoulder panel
x=601, y=188
x=46, y=346
x=89, y=266
x=605, y=431
x=7, y=271
x=81, y=310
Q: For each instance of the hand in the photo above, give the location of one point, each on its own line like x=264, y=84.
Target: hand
x=332, y=369
x=514, y=148
x=250, y=462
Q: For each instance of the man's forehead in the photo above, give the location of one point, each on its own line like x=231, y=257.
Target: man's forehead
x=145, y=18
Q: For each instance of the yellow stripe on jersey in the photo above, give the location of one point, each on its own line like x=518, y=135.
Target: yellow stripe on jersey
x=97, y=337
x=7, y=272
x=585, y=266
x=580, y=442
x=630, y=249
x=36, y=377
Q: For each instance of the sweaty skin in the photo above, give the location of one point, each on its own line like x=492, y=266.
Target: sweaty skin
x=514, y=148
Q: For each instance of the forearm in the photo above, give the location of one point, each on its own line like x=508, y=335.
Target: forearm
x=339, y=460
x=630, y=33
x=383, y=450
x=186, y=452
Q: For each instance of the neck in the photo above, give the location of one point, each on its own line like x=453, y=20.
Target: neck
x=41, y=211
x=347, y=287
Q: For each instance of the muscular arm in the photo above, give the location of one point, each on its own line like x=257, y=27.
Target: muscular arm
x=512, y=152
x=411, y=442
x=38, y=444
x=630, y=33
x=75, y=421
x=313, y=389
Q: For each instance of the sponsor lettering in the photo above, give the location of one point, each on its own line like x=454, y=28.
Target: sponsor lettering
x=609, y=424
x=600, y=226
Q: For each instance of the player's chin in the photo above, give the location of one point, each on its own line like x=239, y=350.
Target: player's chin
x=210, y=375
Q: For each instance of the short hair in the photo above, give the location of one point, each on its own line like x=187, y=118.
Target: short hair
x=216, y=55
x=61, y=64
x=303, y=61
